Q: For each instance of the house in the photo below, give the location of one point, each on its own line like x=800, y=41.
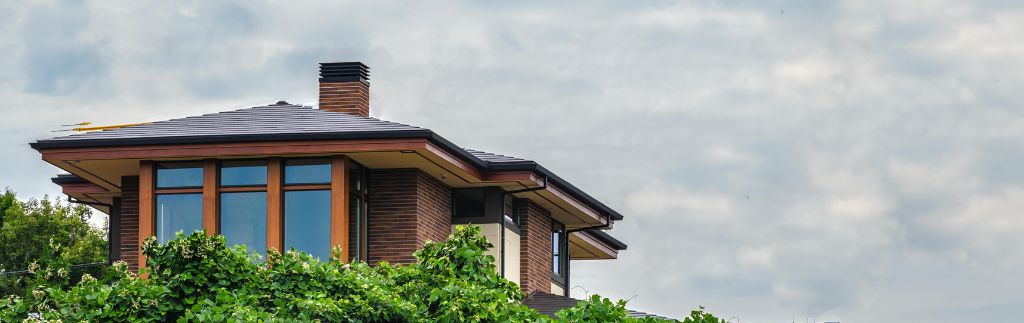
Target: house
x=286, y=176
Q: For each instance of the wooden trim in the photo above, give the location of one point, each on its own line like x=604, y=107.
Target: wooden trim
x=177, y=190
x=146, y=210
x=339, y=205
x=454, y=160
x=275, y=212
x=243, y=188
x=82, y=188
x=241, y=149
x=211, y=220
x=309, y=186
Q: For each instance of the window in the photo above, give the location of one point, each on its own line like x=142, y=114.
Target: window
x=179, y=175
x=307, y=171
x=179, y=199
x=307, y=218
x=559, y=252
x=357, y=211
x=307, y=206
x=243, y=219
x=178, y=213
x=468, y=203
x=243, y=173
x=243, y=203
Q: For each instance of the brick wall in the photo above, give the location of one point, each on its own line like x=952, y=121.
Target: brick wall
x=407, y=209
x=345, y=97
x=535, y=247
x=130, y=221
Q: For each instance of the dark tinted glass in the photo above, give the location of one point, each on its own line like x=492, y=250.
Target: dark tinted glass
x=307, y=171
x=307, y=222
x=243, y=173
x=178, y=212
x=243, y=219
x=179, y=175
x=469, y=202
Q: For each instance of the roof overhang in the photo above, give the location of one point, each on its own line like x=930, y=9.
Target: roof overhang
x=102, y=164
x=593, y=245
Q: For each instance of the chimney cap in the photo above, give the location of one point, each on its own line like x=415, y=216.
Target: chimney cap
x=344, y=72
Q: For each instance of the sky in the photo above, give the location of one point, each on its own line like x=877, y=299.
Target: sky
x=776, y=161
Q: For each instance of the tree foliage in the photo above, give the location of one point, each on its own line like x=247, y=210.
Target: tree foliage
x=199, y=278
x=27, y=227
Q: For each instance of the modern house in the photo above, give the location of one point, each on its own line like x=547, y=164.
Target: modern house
x=287, y=176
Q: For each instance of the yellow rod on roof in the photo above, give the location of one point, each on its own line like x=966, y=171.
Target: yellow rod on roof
x=106, y=127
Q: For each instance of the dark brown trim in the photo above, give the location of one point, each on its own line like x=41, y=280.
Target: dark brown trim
x=275, y=213
x=339, y=205
x=307, y=187
x=211, y=211
x=146, y=209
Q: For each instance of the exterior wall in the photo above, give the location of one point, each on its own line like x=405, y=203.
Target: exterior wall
x=407, y=209
x=130, y=221
x=492, y=231
x=535, y=251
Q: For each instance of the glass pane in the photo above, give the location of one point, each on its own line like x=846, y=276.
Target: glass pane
x=469, y=202
x=179, y=175
x=307, y=222
x=243, y=173
x=554, y=264
x=243, y=219
x=178, y=212
x=307, y=171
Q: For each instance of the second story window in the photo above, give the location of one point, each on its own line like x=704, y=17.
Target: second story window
x=243, y=203
x=179, y=199
x=559, y=252
x=307, y=206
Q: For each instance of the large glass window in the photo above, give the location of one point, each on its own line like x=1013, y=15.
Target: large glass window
x=243, y=173
x=243, y=219
x=178, y=212
x=307, y=222
x=307, y=171
x=179, y=175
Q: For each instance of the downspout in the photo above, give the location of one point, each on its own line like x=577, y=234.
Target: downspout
x=501, y=236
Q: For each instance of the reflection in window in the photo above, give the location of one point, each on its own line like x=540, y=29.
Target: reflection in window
x=243, y=219
x=170, y=175
x=178, y=212
x=243, y=173
x=307, y=171
x=307, y=222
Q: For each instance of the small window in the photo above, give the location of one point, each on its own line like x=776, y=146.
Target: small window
x=243, y=173
x=307, y=171
x=468, y=202
x=179, y=175
x=559, y=252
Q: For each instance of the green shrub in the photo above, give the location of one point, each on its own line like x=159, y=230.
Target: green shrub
x=197, y=278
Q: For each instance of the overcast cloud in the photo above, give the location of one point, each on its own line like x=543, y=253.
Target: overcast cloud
x=841, y=160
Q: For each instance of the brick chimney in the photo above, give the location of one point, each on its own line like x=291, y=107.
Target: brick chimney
x=345, y=88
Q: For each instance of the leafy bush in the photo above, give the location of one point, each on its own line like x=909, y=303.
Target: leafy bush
x=198, y=278
x=26, y=227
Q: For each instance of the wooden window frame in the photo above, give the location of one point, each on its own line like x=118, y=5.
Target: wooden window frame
x=275, y=189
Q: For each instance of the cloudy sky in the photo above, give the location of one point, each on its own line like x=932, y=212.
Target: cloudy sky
x=775, y=160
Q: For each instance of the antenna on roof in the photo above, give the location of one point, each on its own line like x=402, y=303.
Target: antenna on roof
x=84, y=129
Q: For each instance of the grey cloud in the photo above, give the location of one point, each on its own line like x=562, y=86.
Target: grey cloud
x=842, y=160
